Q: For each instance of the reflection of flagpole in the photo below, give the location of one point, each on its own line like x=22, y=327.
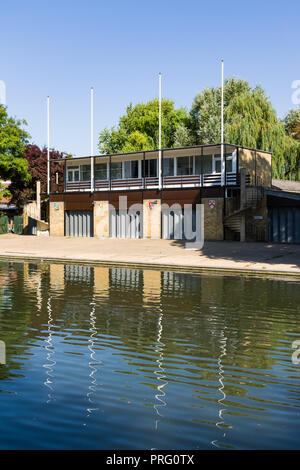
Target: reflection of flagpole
x=223, y=342
x=92, y=362
x=160, y=372
x=50, y=349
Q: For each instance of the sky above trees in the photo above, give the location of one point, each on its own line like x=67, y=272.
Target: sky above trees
x=62, y=48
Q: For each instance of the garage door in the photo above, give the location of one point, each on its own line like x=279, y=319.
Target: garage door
x=79, y=224
x=284, y=224
x=173, y=223
x=125, y=224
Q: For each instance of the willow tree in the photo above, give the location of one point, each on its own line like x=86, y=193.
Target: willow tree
x=249, y=120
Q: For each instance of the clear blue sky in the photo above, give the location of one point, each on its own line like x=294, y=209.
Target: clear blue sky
x=61, y=48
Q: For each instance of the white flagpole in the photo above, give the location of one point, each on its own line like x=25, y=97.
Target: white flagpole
x=159, y=133
x=92, y=121
x=48, y=145
x=222, y=129
x=92, y=139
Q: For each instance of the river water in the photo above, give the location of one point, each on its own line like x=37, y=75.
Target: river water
x=115, y=358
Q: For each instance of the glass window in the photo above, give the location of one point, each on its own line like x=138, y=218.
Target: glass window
x=229, y=165
x=132, y=169
x=116, y=170
x=197, y=165
x=73, y=173
x=184, y=166
x=207, y=164
x=85, y=172
x=168, y=166
x=218, y=165
x=100, y=171
x=150, y=168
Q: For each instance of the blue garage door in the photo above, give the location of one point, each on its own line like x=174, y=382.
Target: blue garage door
x=284, y=224
x=172, y=223
x=125, y=224
x=78, y=223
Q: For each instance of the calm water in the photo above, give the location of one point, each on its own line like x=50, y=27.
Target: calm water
x=101, y=358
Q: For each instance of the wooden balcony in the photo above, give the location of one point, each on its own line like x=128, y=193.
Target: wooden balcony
x=186, y=181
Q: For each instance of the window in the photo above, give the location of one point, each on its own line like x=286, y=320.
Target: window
x=217, y=163
x=184, y=166
x=228, y=165
x=168, y=166
x=116, y=170
x=131, y=169
x=207, y=164
x=150, y=168
x=72, y=173
x=85, y=172
x=197, y=165
x=100, y=171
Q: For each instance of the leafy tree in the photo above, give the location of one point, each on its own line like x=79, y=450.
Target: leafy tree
x=292, y=123
x=13, y=138
x=37, y=168
x=249, y=120
x=138, y=128
x=203, y=125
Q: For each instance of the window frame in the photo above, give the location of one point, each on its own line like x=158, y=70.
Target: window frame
x=71, y=170
x=106, y=171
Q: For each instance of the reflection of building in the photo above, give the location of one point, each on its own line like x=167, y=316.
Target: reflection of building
x=57, y=276
x=152, y=286
x=101, y=281
x=88, y=203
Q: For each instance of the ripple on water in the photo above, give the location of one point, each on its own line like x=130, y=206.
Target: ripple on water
x=120, y=358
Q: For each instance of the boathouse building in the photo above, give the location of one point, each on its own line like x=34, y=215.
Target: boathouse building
x=232, y=186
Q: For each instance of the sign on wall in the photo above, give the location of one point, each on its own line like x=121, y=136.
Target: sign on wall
x=212, y=203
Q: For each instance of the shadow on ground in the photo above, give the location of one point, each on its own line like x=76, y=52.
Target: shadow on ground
x=258, y=252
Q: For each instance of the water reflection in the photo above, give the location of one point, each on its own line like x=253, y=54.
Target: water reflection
x=147, y=359
x=93, y=362
x=160, y=372
x=49, y=366
x=221, y=388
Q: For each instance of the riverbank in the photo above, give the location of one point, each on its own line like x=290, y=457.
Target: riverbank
x=215, y=256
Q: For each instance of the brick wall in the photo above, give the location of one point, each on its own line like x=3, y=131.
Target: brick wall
x=57, y=219
x=101, y=219
x=213, y=219
x=152, y=218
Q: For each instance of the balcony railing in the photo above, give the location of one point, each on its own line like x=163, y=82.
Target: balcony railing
x=205, y=180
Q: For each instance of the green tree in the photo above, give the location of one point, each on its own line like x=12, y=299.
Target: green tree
x=249, y=120
x=13, y=138
x=292, y=123
x=138, y=128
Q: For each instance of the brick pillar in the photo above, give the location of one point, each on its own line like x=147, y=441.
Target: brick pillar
x=57, y=219
x=213, y=218
x=101, y=219
x=152, y=218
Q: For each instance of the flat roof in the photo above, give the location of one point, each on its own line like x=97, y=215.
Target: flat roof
x=156, y=150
